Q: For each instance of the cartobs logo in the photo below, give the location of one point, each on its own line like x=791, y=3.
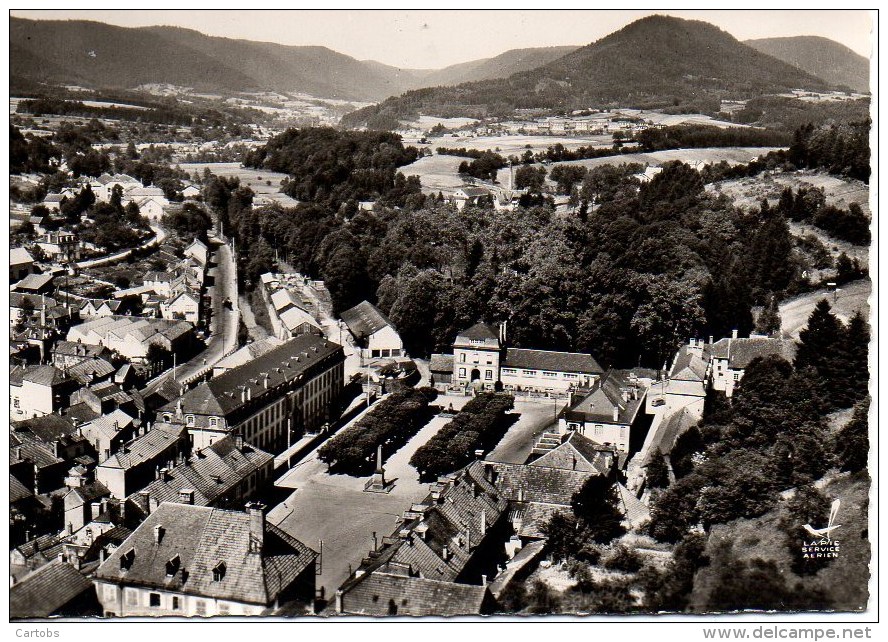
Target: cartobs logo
x=823, y=545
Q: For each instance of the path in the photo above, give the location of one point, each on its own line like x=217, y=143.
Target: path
x=851, y=297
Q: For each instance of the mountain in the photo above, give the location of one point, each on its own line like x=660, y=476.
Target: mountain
x=657, y=61
x=99, y=55
x=830, y=61
x=94, y=54
x=501, y=66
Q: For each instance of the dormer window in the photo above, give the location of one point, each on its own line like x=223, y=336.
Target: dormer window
x=127, y=559
x=189, y=420
x=172, y=566
x=219, y=572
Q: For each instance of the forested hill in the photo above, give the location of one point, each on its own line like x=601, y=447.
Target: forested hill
x=828, y=60
x=657, y=61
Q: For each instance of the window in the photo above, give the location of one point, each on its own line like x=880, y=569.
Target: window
x=219, y=572
x=598, y=430
x=127, y=559
x=374, y=353
x=222, y=608
x=550, y=375
x=172, y=566
x=110, y=592
x=736, y=376
x=16, y=403
x=175, y=602
x=200, y=607
x=154, y=600
x=509, y=371
x=488, y=375
x=568, y=375
x=462, y=372
x=132, y=597
x=167, y=417
x=214, y=421
x=529, y=373
x=189, y=420
x=462, y=357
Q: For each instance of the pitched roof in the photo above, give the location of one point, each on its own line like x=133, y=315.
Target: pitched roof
x=633, y=509
x=441, y=363
x=222, y=395
x=90, y=369
x=365, y=319
x=47, y=591
x=479, y=332
x=740, y=352
x=382, y=593
x=146, y=448
x=89, y=492
x=39, y=375
x=20, y=256
x=47, y=545
x=688, y=366
x=210, y=473
x=109, y=425
x=248, y=353
x=17, y=490
x=474, y=191
x=203, y=538
x=46, y=428
x=668, y=432
x=552, y=361
x=34, y=282
x=577, y=452
x=283, y=299
x=295, y=317
x=613, y=390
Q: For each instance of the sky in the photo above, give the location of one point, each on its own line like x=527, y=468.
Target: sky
x=422, y=39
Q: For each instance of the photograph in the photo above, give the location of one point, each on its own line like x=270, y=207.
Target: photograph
x=427, y=315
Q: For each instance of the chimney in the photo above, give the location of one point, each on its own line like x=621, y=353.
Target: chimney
x=483, y=522
x=179, y=409
x=164, y=474
x=186, y=496
x=711, y=339
x=483, y=580
x=96, y=510
x=249, y=394
x=239, y=442
x=734, y=333
x=257, y=526
x=143, y=499
x=339, y=601
x=445, y=553
x=158, y=534
x=243, y=394
x=616, y=413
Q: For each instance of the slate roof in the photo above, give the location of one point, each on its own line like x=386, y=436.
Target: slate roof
x=688, y=366
x=17, y=490
x=20, y=256
x=375, y=594
x=743, y=351
x=74, y=349
x=89, y=492
x=203, y=537
x=441, y=363
x=668, y=432
x=48, y=546
x=17, y=299
x=47, y=590
x=365, y=319
x=472, y=192
x=635, y=512
x=40, y=375
x=47, y=428
x=109, y=425
x=598, y=405
x=578, y=452
x=532, y=484
x=551, y=361
x=211, y=473
x=248, y=353
x=31, y=449
x=34, y=282
x=478, y=332
x=89, y=370
x=221, y=395
x=147, y=447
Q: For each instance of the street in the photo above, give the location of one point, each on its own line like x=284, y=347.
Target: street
x=851, y=297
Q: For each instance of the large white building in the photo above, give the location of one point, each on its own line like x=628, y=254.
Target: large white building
x=373, y=331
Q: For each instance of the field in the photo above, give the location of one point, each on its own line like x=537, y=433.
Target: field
x=518, y=144
x=851, y=297
x=697, y=158
x=262, y=182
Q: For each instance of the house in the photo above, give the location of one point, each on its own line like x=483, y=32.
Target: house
x=226, y=474
x=395, y=592
x=184, y=306
x=284, y=299
x=53, y=202
x=190, y=192
x=105, y=397
x=56, y=589
x=61, y=246
x=373, y=331
x=476, y=357
x=35, y=464
x=104, y=185
x=90, y=371
x=135, y=463
x=727, y=358
x=547, y=371
x=576, y=452
x=199, y=252
x=82, y=499
x=151, y=207
x=38, y=390
x=35, y=284
x=192, y=561
x=108, y=433
x=270, y=401
x=607, y=414
x=684, y=386
x=296, y=321
x=21, y=264
x=469, y=195
x=35, y=553
x=94, y=308
x=441, y=369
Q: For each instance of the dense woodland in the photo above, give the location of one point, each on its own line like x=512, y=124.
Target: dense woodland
x=629, y=277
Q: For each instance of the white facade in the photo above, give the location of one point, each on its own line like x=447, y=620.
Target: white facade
x=29, y=400
x=122, y=601
x=385, y=342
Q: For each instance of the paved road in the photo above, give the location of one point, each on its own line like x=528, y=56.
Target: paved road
x=851, y=297
x=536, y=416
